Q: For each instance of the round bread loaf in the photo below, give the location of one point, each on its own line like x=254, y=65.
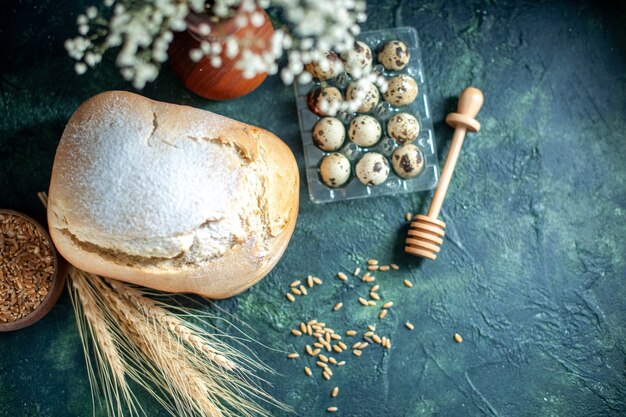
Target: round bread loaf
x=171, y=197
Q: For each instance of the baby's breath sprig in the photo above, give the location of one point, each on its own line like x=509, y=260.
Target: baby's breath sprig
x=143, y=31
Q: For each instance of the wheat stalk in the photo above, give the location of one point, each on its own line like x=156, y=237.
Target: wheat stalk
x=93, y=323
x=188, y=372
x=150, y=309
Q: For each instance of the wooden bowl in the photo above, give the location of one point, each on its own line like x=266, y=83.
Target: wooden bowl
x=56, y=287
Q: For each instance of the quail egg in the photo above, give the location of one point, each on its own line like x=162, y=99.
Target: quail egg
x=324, y=101
x=394, y=55
x=364, y=131
x=370, y=96
x=325, y=69
x=335, y=170
x=403, y=128
x=407, y=161
x=358, y=59
x=329, y=134
x=372, y=169
x=401, y=90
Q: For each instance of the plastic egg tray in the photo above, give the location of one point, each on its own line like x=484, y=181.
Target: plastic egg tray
x=425, y=180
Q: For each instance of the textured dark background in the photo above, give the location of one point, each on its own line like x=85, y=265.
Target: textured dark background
x=533, y=270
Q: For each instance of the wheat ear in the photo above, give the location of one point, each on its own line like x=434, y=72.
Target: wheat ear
x=150, y=309
x=190, y=381
x=94, y=324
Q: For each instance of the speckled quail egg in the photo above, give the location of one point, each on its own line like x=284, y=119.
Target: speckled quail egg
x=329, y=67
x=358, y=59
x=407, y=161
x=394, y=55
x=403, y=128
x=364, y=131
x=324, y=101
x=329, y=134
x=372, y=169
x=335, y=170
x=401, y=90
x=370, y=96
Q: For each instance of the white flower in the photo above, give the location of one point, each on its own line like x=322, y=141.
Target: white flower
x=143, y=31
x=241, y=20
x=216, y=62
x=232, y=48
x=257, y=19
x=80, y=68
x=204, y=29
x=286, y=76
x=91, y=12
x=305, y=78
x=91, y=59
x=206, y=47
x=196, y=55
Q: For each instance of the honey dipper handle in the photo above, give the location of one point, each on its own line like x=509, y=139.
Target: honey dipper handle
x=470, y=102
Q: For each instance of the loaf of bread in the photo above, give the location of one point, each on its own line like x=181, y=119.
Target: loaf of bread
x=170, y=197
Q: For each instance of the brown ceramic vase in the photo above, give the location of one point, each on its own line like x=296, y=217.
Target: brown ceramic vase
x=225, y=82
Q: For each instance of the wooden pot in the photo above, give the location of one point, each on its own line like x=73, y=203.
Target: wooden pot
x=225, y=82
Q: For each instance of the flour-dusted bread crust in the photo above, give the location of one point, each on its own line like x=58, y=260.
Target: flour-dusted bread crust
x=171, y=197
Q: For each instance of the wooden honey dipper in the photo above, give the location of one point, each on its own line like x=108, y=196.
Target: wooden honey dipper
x=426, y=232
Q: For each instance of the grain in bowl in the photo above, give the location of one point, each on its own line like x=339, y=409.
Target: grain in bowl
x=28, y=269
